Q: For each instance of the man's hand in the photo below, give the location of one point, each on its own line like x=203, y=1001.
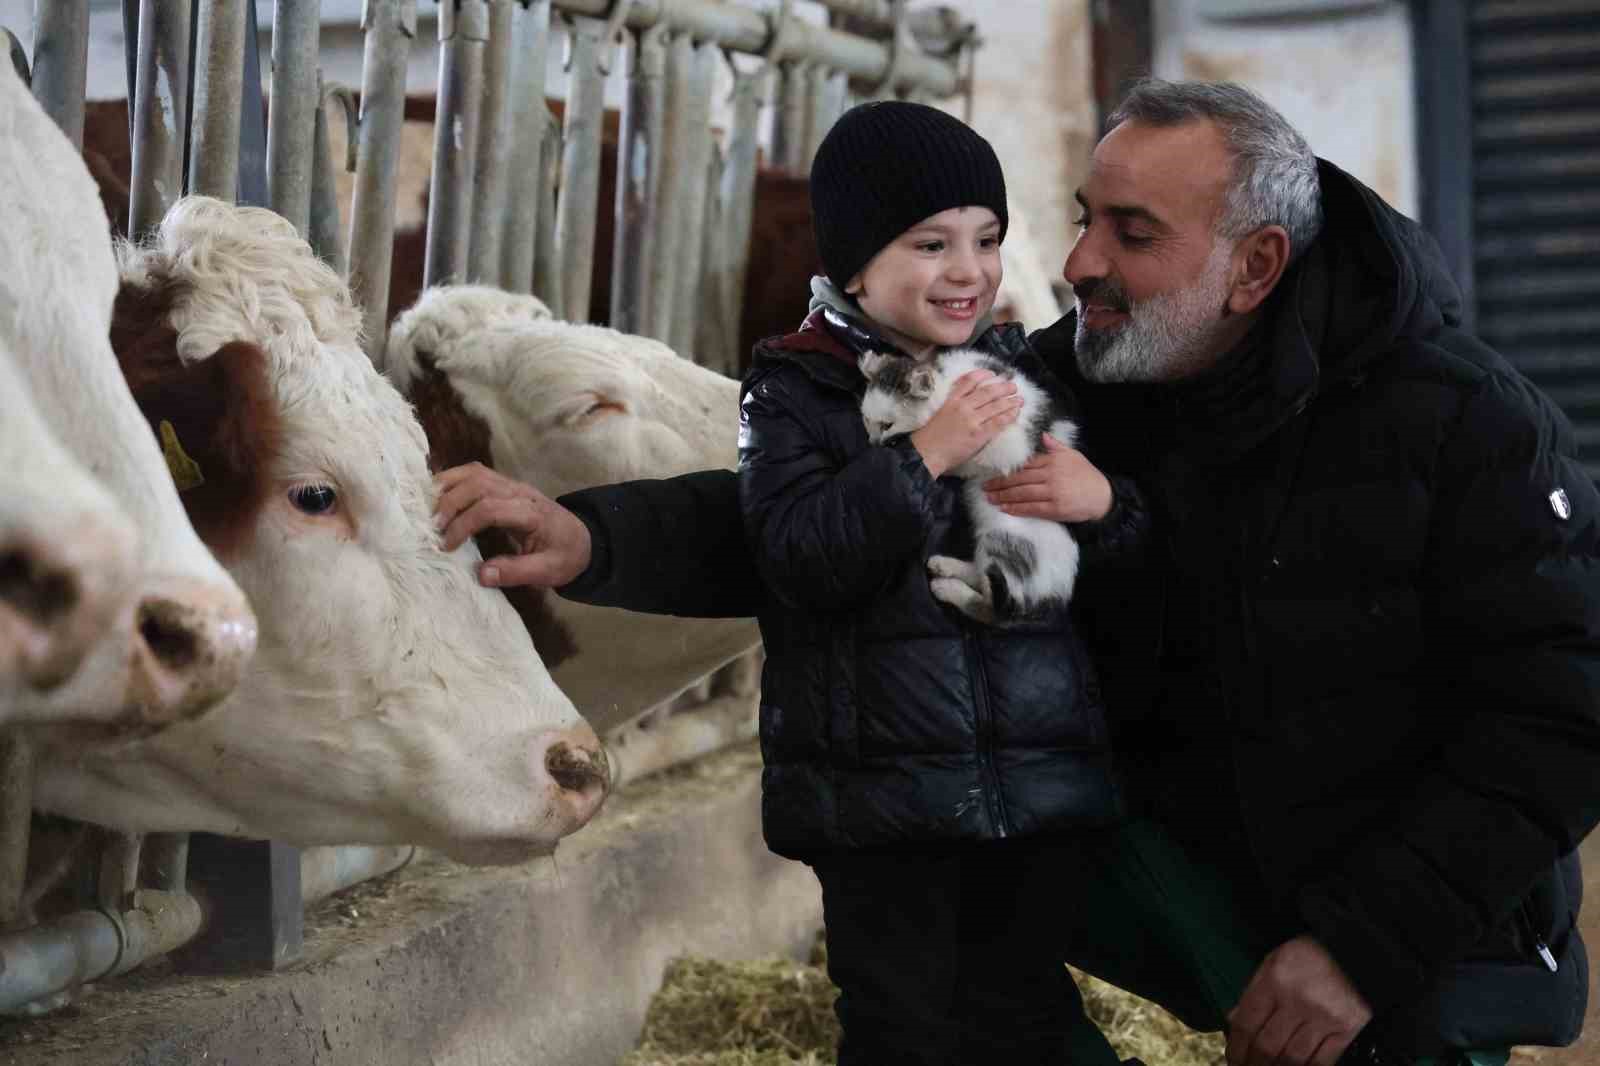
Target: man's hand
x=1059, y=484
x=979, y=406
x=1298, y=1009
x=553, y=542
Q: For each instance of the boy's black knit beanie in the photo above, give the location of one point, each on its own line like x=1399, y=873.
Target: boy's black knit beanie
x=887, y=165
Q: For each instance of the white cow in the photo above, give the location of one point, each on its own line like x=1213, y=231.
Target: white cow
x=68, y=554
x=185, y=633
x=392, y=699
x=563, y=407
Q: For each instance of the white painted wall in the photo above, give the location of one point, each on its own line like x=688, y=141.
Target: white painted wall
x=1343, y=80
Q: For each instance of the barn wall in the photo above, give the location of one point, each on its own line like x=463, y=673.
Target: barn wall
x=1345, y=81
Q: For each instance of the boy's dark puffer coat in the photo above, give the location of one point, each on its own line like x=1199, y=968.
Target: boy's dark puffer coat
x=887, y=717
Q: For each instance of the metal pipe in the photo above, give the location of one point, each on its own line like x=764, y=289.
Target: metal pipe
x=738, y=196
x=547, y=282
x=390, y=26
x=704, y=342
x=737, y=28
x=89, y=945
x=494, y=150
x=673, y=187
x=218, y=83
x=293, y=116
x=326, y=870
x=160, y=113
x=580, y=163
x=463, y=34
x=61, y=62
x=325, y=232
x=16, y=813
x=530, y=51
x=119, y=868
x=789, y=131
x=697, y=161
x=818, y=120
x=638, y=178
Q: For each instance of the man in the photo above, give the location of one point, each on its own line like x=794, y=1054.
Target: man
x=1354, y=683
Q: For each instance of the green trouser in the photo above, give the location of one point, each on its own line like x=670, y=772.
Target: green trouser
x=1143, y=915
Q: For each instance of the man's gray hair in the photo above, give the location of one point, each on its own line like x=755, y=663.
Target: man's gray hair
x=1274, y=170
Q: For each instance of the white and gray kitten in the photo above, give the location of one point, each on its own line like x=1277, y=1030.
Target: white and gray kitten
x=1022, y=567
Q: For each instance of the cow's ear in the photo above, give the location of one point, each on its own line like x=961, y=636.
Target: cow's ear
x=216, y=419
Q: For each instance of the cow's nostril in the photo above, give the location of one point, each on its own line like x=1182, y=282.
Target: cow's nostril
x=34, y=589
x=170, y=640
x=576, y=769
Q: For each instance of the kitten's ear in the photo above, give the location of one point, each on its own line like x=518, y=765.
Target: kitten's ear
x=921, y=382
x=871, y=363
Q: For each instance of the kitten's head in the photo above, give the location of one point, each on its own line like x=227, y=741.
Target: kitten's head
x=898, y=397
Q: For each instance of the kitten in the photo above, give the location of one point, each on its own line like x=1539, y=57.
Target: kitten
x=1022, y=567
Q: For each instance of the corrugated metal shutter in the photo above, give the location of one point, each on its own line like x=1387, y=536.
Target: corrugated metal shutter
x=1536, y=195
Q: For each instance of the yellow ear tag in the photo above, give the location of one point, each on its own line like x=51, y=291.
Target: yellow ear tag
x=185, y=471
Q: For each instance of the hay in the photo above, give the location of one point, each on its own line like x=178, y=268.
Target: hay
x=778, y=1012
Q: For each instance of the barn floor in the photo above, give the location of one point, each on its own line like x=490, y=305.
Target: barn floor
x=552, y=962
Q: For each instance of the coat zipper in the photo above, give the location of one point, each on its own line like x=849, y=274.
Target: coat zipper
x=980, y=690
x=1539, y=946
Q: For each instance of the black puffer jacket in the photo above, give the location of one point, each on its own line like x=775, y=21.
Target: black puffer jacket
x=887, y=717
x=1400, y=625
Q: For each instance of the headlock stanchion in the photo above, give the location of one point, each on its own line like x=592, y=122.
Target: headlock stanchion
x=61, y=62
x=296, y=32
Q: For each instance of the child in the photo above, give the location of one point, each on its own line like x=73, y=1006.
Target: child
x=921, y=763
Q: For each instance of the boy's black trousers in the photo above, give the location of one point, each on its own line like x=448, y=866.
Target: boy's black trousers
x=951, y=955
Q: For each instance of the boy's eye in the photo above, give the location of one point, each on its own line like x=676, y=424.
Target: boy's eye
x=1082, y=220
x=989, y=242
x=931, y=246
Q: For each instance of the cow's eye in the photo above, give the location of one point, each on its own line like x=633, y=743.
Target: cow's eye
x=314, y=499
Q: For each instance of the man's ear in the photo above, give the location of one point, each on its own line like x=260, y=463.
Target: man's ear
x=1259, y=263
x=853, y=287
x=921, y=382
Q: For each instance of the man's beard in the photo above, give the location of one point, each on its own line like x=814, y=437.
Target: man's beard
x=1167, y=337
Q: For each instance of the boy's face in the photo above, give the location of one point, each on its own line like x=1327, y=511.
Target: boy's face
x=929, y=286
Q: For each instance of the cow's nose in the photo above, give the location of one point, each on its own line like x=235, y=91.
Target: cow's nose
x=192, y=643
x=578, y=768
x=60, y=590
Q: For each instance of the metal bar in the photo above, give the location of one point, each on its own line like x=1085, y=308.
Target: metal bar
x=252, y=119
x=547, y=281
x=705, y=331
x=463, y=35
x=326, y=870
x=16, y=813
x=530, y=116
x=789, y=131
x=494, y=149
x=697, y=161
x=61, y=62
x=219, y=81
x=738, y=28
x=638, y=177
x=296, y=100
x=325, y=231
x=165, y=861
x=160, y=113
x=738, y=197
x=580, y=163
x=390, y=25
x=88, y=945
x=673, y=187
x=1443, y=83
x=818, y=120
x=119, y=868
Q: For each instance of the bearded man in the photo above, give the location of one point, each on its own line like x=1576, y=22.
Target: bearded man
x=1355, y=680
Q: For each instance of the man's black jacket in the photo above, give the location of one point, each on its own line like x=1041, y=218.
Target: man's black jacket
x=1407, y=639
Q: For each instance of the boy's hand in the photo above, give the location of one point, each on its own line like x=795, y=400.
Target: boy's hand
x=553, y=542
x=1059, y=484
x=980, y=405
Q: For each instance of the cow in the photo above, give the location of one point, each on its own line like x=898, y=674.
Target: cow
x=183, y=634
x=563, y=406
x=392, y=699
x=68, y=555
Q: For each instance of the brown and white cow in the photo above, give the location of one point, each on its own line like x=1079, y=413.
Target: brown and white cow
x=68, y=555
x=562, y=406
x=392, y=699
x=179, y=639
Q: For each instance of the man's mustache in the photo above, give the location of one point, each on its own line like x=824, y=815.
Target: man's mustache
x=1101, y=291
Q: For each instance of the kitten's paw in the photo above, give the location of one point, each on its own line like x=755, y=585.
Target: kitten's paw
x=945, y=566
x=963, y=597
